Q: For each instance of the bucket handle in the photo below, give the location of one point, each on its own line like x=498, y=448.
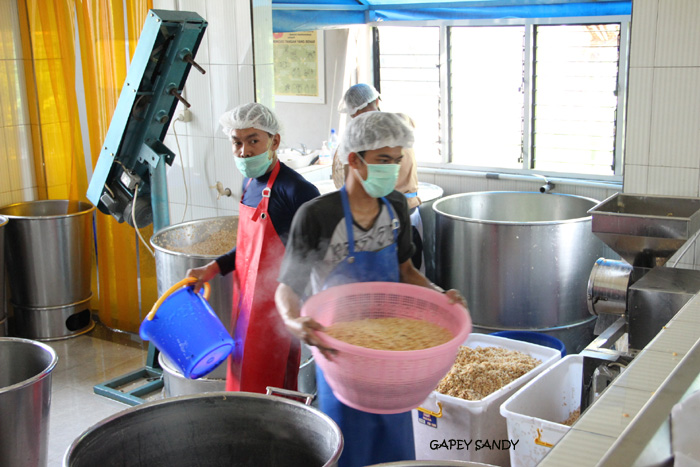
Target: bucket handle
x=184, y=282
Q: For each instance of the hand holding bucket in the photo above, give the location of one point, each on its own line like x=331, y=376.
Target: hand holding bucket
x=184, y=327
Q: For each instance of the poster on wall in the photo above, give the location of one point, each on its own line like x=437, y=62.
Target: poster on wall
x=299, y=71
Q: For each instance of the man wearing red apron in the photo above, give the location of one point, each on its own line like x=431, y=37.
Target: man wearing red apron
x=265, y=354
x=360, y=234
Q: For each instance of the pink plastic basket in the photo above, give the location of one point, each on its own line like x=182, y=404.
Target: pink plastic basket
x=384, y=381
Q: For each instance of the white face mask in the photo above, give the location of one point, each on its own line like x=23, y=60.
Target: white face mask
x=381, y=178
x=254, y=166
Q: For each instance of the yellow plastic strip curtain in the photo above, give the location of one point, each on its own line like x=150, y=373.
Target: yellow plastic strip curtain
x=53, y=62
x=102, y=31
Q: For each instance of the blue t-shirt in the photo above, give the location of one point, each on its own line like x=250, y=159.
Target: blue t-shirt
x=289, y=192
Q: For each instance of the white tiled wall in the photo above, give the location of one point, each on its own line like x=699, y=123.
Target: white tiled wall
x=234, y=72
x=663, y=124
x=17, y=181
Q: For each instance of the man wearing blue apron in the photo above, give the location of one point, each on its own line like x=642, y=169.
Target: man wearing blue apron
x=361, y=233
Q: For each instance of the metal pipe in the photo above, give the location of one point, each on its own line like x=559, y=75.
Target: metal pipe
x=547, y=187
x=528, y=178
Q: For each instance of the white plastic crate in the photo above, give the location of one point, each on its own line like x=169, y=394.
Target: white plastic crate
x=474, y=422
x=534, y=414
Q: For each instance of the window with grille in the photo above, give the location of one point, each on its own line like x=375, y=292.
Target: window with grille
x=410, y=83
x=517, y=97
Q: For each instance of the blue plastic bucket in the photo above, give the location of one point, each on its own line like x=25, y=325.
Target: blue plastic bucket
x=186, y=329
x=534, y=338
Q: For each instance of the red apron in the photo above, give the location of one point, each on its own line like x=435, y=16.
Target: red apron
x=264, y=352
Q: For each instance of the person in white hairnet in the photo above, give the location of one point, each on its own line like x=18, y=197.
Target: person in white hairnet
x=358, y=99
x=264, y=353
x=360, y=233
x=362, y=98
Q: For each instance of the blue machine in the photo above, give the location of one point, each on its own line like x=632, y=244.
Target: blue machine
x=129, y=179
x=133, y=157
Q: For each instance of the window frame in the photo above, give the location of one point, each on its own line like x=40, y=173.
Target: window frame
x=529, y=24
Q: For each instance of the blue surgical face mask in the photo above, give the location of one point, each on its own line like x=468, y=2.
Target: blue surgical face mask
x=254, y=166
x=381, y=178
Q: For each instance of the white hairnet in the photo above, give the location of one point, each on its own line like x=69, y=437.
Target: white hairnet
x=357, y=97
x=374, y=130
x=251, y=115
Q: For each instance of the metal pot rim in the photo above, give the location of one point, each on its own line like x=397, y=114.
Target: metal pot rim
x=209, y=395
x=169, y=228
x=89, y=210
x=44, y=373
x=497, y=222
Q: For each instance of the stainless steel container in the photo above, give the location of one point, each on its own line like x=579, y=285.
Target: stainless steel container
x=49, y=255
x=217, y=429
x=428, y=194
x=3, y=303
x=522, y=260
x=307, y=371
x=25, y=400
x=176, y=384
x=173, y=259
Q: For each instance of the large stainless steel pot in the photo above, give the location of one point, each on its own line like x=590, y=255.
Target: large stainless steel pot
x=3, y=305
x=172, y=264
x=49, y=254
x=428, y=194
x=49, y=248
x=216, y=429
x=521, y=259
x=25, y=401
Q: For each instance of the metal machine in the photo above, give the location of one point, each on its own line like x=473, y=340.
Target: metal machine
x=129, y=180
x=645, y=231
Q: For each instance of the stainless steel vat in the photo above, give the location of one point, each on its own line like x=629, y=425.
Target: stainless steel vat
x=521, y=259
x=49, y=256
x=3, y=304
x=25, y=400
x=428, y=194
x=172, y=265
x=216, y=429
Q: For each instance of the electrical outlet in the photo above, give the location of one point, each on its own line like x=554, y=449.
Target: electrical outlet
x=185, y=116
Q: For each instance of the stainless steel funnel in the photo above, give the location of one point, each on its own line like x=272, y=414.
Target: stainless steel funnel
x=645, y=230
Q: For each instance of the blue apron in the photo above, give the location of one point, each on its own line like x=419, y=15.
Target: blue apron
x=369, y=438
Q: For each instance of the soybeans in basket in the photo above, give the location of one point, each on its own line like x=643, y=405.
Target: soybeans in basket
x=479, y=372
x=390, y=333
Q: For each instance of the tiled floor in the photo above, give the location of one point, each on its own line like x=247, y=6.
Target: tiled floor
x=83, y=362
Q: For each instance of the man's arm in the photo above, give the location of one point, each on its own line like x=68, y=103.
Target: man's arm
x=303, y=327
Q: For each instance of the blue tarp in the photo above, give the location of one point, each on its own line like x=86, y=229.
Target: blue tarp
x=300, y=19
